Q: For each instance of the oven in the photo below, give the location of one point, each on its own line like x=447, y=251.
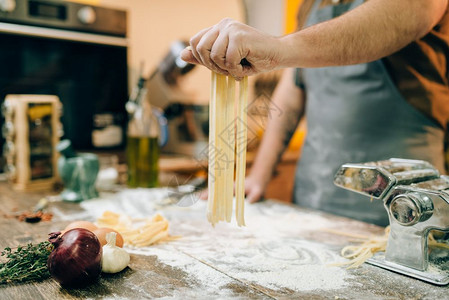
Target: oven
x=74, y=51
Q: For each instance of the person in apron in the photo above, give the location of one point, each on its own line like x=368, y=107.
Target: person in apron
x=354, y=113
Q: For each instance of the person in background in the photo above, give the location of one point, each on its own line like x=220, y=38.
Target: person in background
x=371, y=77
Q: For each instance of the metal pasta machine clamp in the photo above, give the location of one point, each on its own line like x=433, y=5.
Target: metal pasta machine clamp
x=416, y=198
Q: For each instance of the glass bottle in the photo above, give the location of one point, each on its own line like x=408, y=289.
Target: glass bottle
x=143, y=139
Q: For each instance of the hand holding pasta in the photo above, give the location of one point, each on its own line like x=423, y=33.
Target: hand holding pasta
x=224, y=46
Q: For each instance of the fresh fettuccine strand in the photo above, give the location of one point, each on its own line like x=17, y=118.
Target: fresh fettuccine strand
x=226, y=151
x=241, y=142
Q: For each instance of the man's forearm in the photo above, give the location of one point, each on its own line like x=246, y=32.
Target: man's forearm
x=289, y=99
x=371, y=31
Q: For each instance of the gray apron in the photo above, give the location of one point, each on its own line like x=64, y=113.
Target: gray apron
x=355, y=114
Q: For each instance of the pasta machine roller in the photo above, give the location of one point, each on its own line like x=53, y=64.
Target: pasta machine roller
x=416, y=198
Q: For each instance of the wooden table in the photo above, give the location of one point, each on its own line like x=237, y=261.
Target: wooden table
x=284, y=252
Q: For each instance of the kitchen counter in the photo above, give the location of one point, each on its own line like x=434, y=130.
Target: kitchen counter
x=283, y=252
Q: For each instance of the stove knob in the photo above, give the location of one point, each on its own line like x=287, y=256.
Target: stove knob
x=87, y=15
x=7, y=5
x=409, y=209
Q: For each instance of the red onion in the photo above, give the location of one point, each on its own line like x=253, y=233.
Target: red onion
x=76, y=258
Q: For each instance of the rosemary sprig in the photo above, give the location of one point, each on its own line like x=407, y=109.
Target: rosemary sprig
x=25, y=263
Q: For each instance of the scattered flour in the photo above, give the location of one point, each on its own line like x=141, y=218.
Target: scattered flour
x=268, y=252
x=197, y=272
x=294, y=264
x=304, y=278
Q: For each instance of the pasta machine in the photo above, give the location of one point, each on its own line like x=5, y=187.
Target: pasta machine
x=416, y=198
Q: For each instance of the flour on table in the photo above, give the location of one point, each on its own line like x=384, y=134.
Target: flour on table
x=200, y=273
x=268, y=252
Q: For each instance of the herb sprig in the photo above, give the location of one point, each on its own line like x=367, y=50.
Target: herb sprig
x=25, y=263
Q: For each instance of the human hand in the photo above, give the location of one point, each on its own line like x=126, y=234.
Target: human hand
x=233, y=48
x=253, y=190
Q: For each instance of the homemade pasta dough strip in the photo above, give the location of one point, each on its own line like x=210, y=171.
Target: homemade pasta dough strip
x=211, y=203
x=220, y=159
x=226, y=150
x=230, y=147
x=241, y=141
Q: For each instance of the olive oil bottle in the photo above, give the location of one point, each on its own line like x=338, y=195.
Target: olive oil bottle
x=142, y=155
x=142, y=148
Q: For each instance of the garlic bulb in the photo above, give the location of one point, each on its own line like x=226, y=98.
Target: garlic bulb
x=114, y=258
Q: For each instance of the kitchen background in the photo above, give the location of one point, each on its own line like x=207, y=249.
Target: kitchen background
x=154, y=24
x=152, y=28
